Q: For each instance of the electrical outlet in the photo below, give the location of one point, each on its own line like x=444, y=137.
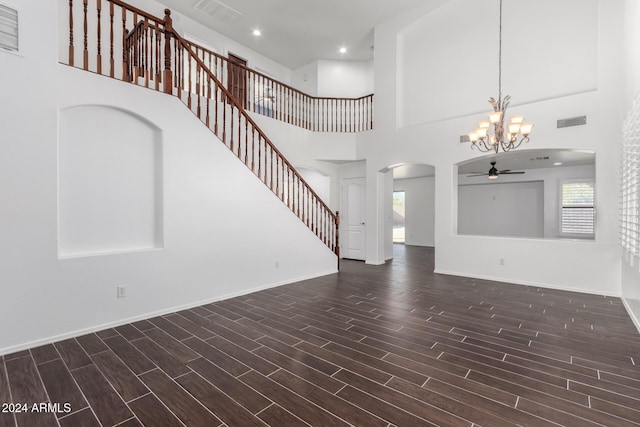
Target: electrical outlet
x=121, y=291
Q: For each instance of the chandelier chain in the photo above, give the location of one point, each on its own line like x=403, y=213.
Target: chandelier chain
x=500, y=56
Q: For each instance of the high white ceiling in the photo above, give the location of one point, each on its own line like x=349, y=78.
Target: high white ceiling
x=297, y=32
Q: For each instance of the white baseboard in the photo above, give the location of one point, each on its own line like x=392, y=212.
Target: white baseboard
x=527, y=283
x=120, y=322
x=633, y=316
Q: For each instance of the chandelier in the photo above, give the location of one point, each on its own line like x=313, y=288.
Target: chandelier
x=495, y=133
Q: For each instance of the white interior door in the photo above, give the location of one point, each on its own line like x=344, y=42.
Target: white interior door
x=353, y=246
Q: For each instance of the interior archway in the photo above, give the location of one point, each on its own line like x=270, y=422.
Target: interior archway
x=410, y=205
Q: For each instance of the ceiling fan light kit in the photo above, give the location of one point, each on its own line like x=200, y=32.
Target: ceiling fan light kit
x=493, y=134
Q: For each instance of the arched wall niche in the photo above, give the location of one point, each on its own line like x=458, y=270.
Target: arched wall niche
x=109, y=182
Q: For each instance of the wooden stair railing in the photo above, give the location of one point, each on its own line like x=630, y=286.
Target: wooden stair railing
x=153, y=55
x=270, y=97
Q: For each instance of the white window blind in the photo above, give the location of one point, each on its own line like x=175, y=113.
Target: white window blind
x=578, y=213
x=630, y=181
x=8, y=28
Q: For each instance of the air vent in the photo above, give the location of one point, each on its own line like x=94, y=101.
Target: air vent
x=8, y=28
x=464, y=138
x=535, y=159
x=218, y=10
x=573, y=121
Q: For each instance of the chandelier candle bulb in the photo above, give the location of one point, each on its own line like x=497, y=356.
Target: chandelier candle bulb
x=495, y=117
x=525, y=129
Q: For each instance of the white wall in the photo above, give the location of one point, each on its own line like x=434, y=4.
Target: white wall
x=419, y=209
x=448, y=70
x=335, y=79
x=514, y=209
x=209, y=200
x=345, y=79
x=630, y=271
x=591, y=266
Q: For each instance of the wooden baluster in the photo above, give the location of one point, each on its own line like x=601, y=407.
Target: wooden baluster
x=198, y=89
x=277, y=173
x=314, y=213
x=223, y=98
x=303, y=200
x=246, y=143
x=298, y=196
x=289, y=185
x=337, y=237
x=239, y=132
x=231, y=127
x=259, y=156
x=168, y=28
x=147, y=56
x=253, y=152
x=136, y=54
x=371, y=111
x=99, y=55
x=216, y=104
x=271, y=168
x=85, y=53
x=278, y=102
x=112, y=70
x=71, y=51
x=189, y=76
x=125, y=48
x=208, y=121
x=283, y=198
x=158, y=76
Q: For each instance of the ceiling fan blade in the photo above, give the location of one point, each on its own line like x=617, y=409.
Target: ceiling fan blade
x=511, y=173
x=478, y=174
x=504, y=171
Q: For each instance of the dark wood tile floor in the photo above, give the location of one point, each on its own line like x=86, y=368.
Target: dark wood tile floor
x=392, y=345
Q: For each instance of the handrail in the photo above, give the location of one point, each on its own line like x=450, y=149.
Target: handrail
x=153, y=52
x=322, y=114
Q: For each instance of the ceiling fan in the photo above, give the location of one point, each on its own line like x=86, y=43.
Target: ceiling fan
x=494, y=173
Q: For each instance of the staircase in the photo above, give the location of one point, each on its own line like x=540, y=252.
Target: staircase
x=115, y=39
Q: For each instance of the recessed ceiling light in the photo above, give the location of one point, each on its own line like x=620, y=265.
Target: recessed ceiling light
x=557, y=164
x=343, y=50
x=257, y=33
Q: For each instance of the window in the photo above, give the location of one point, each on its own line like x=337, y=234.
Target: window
x=577, y=215
x=8, y=28
x=630, y=182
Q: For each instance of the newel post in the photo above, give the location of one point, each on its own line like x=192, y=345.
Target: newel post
x=337, y=250
x=168, y=30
